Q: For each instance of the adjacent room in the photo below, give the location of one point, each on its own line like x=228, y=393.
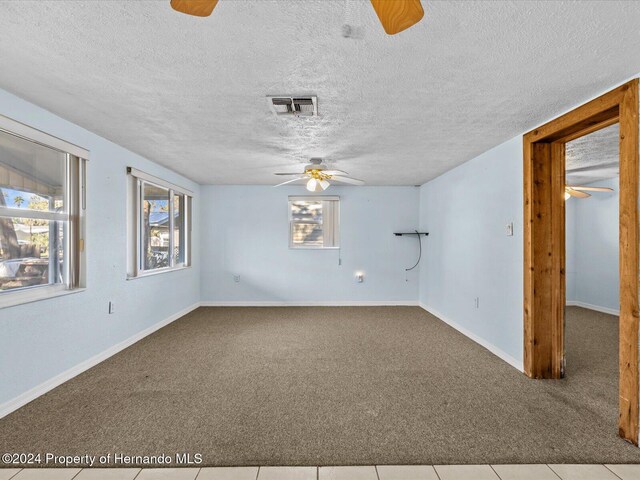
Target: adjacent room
x=319, y=240
x=592, y=271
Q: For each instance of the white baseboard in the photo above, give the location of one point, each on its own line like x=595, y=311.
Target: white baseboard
x=597, y=308
x=319, y=303
x=11, y=405
x=515, y=363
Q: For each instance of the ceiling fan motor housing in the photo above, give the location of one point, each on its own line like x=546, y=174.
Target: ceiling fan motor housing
x=316, y=164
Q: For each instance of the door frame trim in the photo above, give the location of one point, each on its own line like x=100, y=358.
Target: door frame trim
x=544, y=237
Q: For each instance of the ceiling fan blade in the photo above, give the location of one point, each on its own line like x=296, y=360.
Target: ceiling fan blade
x=198, y=8
x=351, y=181
x=398, y=15
x=290, y=181
x=576, y=193
x=334, y=172
x=590, y=189
x=287, y=173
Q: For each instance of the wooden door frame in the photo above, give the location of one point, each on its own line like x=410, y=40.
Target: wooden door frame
x=544, y=236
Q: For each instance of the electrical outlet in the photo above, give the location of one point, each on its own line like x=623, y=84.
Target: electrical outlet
x=477, y=302
x=112, y=308
x=359, y=277
x=236, y=278
x=510, y=229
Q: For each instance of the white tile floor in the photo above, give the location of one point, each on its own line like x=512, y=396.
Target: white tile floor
x=228, y=473
x=475, y=472
x=288, y=473
x=625, y=472
x=406, y=472
x=381, y=472
x=525, y=472
x=107, y=474
x=173, y=474
x=584, y=472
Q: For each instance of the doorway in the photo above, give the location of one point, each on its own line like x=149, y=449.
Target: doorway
x=544, y=242
x=592, y=274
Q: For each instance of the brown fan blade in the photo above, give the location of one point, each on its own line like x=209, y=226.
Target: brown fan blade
x=576, y=193
x=198, y=8
x=590, y=189
x=398, y=15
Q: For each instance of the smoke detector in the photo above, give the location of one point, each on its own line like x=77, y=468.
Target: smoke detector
x=299, y=106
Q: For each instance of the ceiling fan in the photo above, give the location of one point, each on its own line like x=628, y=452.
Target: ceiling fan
x=318, y=176
x=395, y=15
x=578, y=191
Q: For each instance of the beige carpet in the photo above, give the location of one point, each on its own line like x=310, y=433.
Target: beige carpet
x=326, y=386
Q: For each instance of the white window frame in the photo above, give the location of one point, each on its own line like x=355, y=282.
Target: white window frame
x=74, y=215
x=137, y=179
x=330, y=222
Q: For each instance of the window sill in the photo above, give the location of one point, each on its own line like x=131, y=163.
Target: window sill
x=16, y=298
x=152, y=273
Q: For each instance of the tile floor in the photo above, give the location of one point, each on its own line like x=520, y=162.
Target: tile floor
x=381, y=472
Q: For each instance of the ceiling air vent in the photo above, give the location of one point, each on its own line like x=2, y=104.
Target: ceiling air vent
x=303, y=106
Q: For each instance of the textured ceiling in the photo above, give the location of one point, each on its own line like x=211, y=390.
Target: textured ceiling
x=189, y=92
x=594, y=157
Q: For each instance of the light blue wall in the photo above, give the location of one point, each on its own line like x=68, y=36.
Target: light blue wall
x=592, y=248
x=43, y=339
x=245, y=232
x=468, y=253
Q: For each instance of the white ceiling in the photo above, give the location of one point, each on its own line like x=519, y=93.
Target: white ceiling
x=189, y=93
x=594, y=157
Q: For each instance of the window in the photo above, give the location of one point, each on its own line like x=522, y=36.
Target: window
x=314, y=222
x=41, y=214
x=159, y=225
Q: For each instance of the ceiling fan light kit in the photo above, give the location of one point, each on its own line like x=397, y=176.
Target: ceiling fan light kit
x=318, y=177
x=315, y=185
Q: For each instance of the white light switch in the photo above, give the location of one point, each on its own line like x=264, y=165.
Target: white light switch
x=509, y=229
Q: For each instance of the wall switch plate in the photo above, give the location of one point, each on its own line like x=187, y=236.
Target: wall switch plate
x=236, y=278
x=510, y=229
x=112, y=308
x=477, y=302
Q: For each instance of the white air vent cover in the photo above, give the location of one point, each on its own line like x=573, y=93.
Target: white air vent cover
x=299, y=106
